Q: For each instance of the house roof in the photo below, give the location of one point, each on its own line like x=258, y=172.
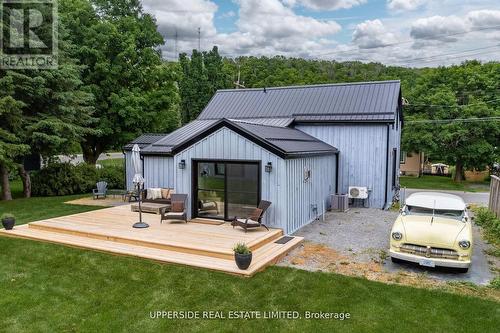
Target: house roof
x=282, y=141
x=346, y=102
x=144, y=140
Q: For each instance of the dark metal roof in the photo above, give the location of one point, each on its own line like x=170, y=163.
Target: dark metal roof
x=144, y=140
x=280, y=122
x=283, y=141
x=290, y=140
x=180, y=135
x=364, y=101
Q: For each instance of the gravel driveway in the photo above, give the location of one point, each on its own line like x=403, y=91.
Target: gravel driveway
x=362, y=234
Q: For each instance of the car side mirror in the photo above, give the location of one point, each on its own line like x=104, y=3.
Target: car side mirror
x=468, y=206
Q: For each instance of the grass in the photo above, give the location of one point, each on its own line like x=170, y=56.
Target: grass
x=442, y=183
x=39, y=208
x=114, y=162
x=47, y=287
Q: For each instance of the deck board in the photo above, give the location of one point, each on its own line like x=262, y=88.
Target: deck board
x=195, y=244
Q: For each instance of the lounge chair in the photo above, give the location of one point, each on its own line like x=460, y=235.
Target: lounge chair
x=177, y=208
x=254, y=220
x=101, y=190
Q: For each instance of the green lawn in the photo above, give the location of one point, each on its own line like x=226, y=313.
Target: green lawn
x=39, y=208
x=51, y=288
x=442, y=183
x=116, y=162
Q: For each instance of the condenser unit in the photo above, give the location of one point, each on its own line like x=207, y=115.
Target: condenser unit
x=339, y=202
x=358, y=192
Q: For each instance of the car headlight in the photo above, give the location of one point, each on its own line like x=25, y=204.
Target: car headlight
x=464, y=244
x=397, y=235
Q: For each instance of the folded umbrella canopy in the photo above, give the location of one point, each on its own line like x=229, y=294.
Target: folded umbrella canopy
x=138, y=181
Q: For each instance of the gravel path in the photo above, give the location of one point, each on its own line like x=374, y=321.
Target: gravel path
x=362, y=236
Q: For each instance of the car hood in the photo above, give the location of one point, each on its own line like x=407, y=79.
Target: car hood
x=423, y=230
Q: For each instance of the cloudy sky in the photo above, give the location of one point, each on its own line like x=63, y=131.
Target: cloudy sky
x=400, y=32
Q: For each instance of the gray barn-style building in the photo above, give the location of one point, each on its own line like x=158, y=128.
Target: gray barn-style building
x=293, y=146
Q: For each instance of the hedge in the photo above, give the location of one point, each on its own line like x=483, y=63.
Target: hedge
x=66, y=179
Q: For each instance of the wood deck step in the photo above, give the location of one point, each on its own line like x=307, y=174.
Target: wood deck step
x=204, y=244
x=264, y=256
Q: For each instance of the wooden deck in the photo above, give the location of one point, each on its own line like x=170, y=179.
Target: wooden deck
x=197, y=244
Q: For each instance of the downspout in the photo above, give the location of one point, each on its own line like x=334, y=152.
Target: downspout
x=386, y=169
x=337, y=173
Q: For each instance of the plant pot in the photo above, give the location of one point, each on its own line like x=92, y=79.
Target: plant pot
x=8, y=223
x=243, y=260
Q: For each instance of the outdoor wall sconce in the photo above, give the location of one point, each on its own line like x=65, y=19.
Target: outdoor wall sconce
x=182, y=164
x=269, y=167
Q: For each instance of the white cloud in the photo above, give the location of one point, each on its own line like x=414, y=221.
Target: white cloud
x=329, y=5
x=372, y=34
x=183, y=17
x=484, y=18
x=441, y=28
x=403, y=5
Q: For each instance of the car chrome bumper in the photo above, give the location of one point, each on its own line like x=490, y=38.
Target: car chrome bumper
x=437, y=261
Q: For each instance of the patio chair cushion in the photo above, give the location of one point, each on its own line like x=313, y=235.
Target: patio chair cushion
x=174, y=214
x=153, y=193
x=165, y=193
x=248, y=222
x=177, y=207
x=170, y=192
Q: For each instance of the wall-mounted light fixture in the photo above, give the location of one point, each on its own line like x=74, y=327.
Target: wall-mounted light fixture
x=269, y=167
x=182, y=164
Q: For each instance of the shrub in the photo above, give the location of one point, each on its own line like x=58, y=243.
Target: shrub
x=67, y=179
x=241, y=248
x=486, y=219
x=7, y=216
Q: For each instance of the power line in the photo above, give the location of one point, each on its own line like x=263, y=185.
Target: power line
x=454, y=106
x=443, y=121
x=430, y=58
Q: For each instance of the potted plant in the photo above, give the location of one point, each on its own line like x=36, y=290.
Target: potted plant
x=8, y=221
x=242, y=255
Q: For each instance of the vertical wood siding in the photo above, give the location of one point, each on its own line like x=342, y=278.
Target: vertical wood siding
x=158, y=171
x=301, y=194
x=363, y=156
x=225, y=144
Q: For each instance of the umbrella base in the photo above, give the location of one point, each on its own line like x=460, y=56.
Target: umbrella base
x=140, y=225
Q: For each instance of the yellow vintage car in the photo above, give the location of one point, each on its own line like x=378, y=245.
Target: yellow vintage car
x=433, y=229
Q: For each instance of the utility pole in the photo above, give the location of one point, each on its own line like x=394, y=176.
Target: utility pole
x=176, y=54
x=199, y=39
x=237, y=84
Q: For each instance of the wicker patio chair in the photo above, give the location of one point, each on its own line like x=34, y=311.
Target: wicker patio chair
x=177, y=209
x=254, y=220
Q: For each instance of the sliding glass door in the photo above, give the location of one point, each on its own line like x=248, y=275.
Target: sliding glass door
x=225, y=189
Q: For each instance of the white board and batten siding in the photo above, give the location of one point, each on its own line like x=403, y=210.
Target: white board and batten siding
x=363, y=156
x=158, y=171
x=225, y=144
x=284, y=186
x=129, y=170
x=301, y=193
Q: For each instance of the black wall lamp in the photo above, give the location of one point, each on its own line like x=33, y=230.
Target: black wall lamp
x=269, y=167
x=182, y=164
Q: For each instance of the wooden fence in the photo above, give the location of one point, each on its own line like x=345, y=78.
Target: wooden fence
x=494, y=204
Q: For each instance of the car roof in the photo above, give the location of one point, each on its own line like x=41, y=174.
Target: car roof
x=436, y=200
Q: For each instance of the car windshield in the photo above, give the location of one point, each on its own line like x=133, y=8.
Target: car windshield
x=454, y=214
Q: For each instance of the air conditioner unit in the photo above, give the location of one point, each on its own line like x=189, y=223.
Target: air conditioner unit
x=339, y=202
x=358, y=192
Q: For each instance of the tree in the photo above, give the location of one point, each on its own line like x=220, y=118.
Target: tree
x=202, y=75
x=456, y=92
x=118, y=45
x=11, y=146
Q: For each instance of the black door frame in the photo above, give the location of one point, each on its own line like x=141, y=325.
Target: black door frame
x=194, y=182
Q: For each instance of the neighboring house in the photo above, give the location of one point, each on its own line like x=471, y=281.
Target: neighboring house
x=412, y=164
x=293, y=146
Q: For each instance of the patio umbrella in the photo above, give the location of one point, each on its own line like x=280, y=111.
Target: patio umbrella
x=138, y=181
